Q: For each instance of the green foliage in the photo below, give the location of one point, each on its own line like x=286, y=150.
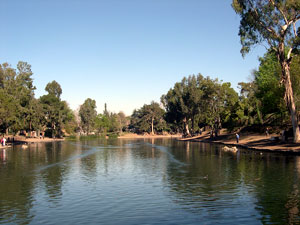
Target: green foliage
x=57, y=116
x=20, y=110
x=270, y=21
x=111, y=123
x=269, y=91
x=273, y=23
x=88, y=113
x=149, y=118
x=199, y=101
x=17, y=94
x=53, y=88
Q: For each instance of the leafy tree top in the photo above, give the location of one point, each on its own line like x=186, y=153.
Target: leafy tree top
x=273, y=21
x=54, y=88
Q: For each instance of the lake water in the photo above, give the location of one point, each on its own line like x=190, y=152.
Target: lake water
x=160, y=181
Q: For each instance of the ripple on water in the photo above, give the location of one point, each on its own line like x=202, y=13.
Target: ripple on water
x=139, y=183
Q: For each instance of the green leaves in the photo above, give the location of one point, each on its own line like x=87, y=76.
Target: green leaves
x=149, y=118
x=199, y=100
x=88, y=113
x=53, y=88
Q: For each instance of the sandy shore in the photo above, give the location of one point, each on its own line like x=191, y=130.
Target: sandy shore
x=19, y=140
x=133, y=136
x=250, y=141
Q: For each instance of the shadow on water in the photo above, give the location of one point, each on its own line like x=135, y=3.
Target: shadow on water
x=233, y=186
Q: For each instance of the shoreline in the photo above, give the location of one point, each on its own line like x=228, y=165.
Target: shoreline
x=18, y=140
x=137, y=136
x=250, y=141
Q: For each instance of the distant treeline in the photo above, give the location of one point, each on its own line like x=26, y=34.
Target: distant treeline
x=193, y=104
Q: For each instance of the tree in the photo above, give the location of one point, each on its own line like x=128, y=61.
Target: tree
x=56, y=112
x=17, y=94
x=88, y=113
x=122, y=121
x=199, y=101
x=102, y=123
x=268, y=90
x=153, y=113
x=182, y=102
x=148, y=118
x=273, y=22
x=246, y=111
x=53, y=88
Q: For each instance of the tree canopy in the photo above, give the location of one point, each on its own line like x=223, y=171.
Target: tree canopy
x=273, y=22
x=88, y=113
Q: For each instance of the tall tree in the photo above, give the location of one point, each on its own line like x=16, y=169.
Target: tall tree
x=56, y=112
x=149, y=118
x=17, y=93
x=268, y=90
x=199, y=100
x=122, y=121
x=54, y=88
x=88, y=113
x=273, y=22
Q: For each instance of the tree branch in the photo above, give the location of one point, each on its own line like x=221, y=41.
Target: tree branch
x=289, y=58
x=294, y=28
x=282, y=13
x=270, y=30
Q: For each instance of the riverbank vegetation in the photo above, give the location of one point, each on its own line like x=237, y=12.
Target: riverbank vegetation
x=192, y=105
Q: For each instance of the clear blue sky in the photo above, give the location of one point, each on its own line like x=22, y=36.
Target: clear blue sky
x=125, y=53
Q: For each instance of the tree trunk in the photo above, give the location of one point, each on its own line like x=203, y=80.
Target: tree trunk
x=152, y=129
x=186, y=127
x=193, y=123
x=289, y=99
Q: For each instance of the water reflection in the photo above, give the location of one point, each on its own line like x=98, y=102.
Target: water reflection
x=268, y=183
x=153, y=180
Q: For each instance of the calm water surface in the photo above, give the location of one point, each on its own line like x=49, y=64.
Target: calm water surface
x=158, y=181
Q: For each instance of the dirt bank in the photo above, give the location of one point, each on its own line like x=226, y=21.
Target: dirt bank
x=253, y=141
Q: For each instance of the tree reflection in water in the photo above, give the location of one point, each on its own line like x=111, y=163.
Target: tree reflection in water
x=198, y=178
x=215, y=181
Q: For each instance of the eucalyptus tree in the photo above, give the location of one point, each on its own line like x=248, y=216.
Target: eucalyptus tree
x=56, y=112
x=273, y=22
x=54, y=88
x=88, y=113
x=228, y=100
x=122, y=121
x=176, y=109
x=153, y=114
x=211, y=101
x=29, y=109
x=182, y=102
x=199, y=100
x=8, y=105
x=269, y=91
x=149, y=118
x=16, y=94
